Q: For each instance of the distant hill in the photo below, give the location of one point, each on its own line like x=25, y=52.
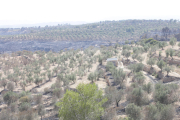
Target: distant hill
x=103, y=30
x=43, y=24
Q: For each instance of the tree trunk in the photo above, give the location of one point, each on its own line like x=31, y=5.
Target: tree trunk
x=117, y=105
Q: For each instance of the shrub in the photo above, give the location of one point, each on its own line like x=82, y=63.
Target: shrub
x=161, y=64
x=109, y=114
x=151, y=62
x=113, y=95
x=139, y=78
x=24, y=99
x=152, y=113
x=109, y=66
x=58, y=92
x=167, y=112
x=14, y=107
x=4, y=115
x=168, y=69
x=24, y=106
x=166, y=94
x=148, y=88
x=136, y=67
x=159, y=112
x=41, y=110
x=173, y=41
x=126, y=53
x=133, y=111
x=138, y=97
x=10, y=86
x=24, y=93
x=10, y=97
x=30, y=114
x=3, y=82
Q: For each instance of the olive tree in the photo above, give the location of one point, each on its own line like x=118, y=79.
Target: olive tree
x=161, y=64
x=86, y=103
x=133, y=111
x=173, y=41
x=151, y=61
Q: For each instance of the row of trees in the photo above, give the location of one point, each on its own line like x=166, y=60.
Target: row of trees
x=112, y=30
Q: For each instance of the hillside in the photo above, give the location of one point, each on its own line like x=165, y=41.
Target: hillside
x=104, y=30
x=143, y=86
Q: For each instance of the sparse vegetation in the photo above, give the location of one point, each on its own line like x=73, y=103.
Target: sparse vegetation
x=136, y=86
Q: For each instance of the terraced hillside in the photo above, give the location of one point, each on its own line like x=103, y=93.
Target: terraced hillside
x=145, y=86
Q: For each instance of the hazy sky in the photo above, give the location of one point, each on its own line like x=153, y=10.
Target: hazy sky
x=40, y=11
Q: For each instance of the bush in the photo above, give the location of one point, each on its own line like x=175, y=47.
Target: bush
x=136, y=67
x=30, y=114
x=24, y=106
x=151, y=61
x=113, y=95
x=24, y=99
x=159, y=112
x=139, y=78
x=161, y=64
x=109, y=114
x=109, y=66
x=10, y=86
x=4, y=115
x=24, y=93
x=10, y=97
x=167, y=112
x=41, y=110
x=166, y=94
x=133, y=111
x=152, y=113
x=138, y=97
x=119, y=76
x=14, y=107
x=148, y=88
x=58, y=92
x=151, y=41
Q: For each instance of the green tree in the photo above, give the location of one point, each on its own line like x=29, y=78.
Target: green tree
x=166, y=94
x=126, y=53
x=148, y=88
x=86, y=103
x=113, y=95
x=171, y=53
x=152, y=113
x=162, y=45
x=168, y=69
x=139, y=78
x=134, y=56
x=91, y=77
x=151, y=62
x=133, y=111
x=167, y=53
x=179, y=44
x=173, y=41
x=161, y=64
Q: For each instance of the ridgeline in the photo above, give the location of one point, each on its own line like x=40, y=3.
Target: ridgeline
x=104, y=30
